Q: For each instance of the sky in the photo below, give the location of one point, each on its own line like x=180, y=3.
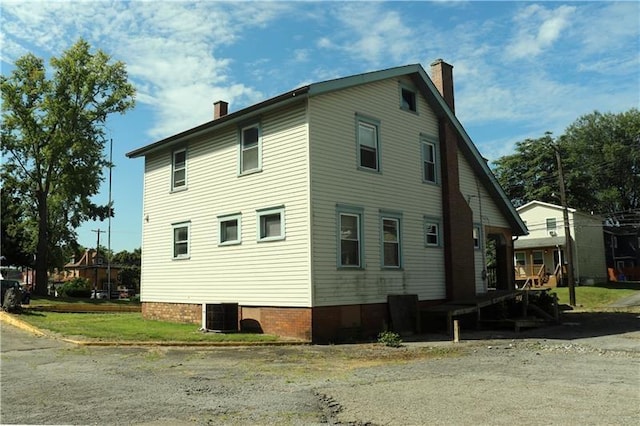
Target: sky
x=520, y=68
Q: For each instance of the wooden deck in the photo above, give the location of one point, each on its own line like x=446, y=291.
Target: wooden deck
x=457, y=308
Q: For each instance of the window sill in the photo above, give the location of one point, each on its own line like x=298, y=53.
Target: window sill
x=367, y=169
x=181, y=258
x=249, y=172
x=181, y=189
x=229, y=243
x=391, y=268
x=350, y=268
x=409, y=111
x=269, y=239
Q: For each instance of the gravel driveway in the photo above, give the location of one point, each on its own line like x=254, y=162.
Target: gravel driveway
x=586, y=371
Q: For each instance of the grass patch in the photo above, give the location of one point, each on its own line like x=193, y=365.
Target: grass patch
x=599, y=295
x=122, y=327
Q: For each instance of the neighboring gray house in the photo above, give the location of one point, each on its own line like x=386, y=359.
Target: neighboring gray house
x=309, y=209
x=544, y=249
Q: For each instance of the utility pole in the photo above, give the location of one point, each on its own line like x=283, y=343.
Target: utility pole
x=95, y=276
x=567, y=230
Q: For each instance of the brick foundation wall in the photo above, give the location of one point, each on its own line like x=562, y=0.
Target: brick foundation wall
x=286, y=322
x=327, y=324
x=349, y=322
x=174, y=312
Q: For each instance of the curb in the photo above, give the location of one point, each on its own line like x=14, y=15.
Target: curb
x=11, y=319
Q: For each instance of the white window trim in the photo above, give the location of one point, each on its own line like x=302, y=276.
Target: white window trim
x=397, y=217
x=241, y=171
x=267, y=212
x=175, y=226
x=175, y=188
x=438, y=223
x=428, y=140
x=372, y=122
x=555, y=223
x=357, y=212
x=227, y=218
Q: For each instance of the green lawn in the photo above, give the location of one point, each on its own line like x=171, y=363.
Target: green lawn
x=125, y=326
x=599, y=295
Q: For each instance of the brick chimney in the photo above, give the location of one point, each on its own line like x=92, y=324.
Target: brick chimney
x=442, y=77
x=457, y=215
x=220, y=109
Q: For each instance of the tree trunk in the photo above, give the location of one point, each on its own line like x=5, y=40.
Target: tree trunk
x=42, y=278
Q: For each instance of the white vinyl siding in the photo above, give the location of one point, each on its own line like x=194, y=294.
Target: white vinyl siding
x=398, y=188
x=251, y=273
x=485, y=213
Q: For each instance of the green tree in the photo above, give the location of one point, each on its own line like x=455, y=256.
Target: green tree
x=603, y=156
x=601, y=161
x=15, y=238
x=129, y=264
x=52, y=141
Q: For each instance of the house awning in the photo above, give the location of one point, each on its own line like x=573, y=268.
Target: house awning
x=538, y=243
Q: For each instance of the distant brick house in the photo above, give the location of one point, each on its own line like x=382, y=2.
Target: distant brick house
x=92, y=267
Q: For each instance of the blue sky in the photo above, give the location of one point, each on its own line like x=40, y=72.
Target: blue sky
x=520, y=68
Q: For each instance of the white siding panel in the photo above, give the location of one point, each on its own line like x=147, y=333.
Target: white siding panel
x=399, y=188
x=274, y=273
x=485, y=213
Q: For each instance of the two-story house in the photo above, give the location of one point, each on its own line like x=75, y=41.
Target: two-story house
x=310, y=209
x=542, y=253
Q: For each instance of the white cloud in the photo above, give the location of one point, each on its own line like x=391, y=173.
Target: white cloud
x=537, y=29
x=170, y=49
x=372, y=34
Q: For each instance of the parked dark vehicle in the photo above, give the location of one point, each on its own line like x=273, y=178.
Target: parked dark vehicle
x=6, y=285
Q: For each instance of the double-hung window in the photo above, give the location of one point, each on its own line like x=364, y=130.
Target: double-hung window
x=368, y=137
x=431, y=233
x=181, y=240
x=551, y=224
x=391, y=240
x=179, y=170
x=271, y=224
x=349, y=237
x=250, y=148
x=230, y=228
x=429, y=160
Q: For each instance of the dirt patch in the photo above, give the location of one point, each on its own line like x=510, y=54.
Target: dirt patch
x=583, y=371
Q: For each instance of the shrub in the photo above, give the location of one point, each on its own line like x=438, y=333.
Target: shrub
x=77, y=287
x=389, y=338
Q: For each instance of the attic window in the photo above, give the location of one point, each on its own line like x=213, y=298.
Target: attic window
x=408, y=99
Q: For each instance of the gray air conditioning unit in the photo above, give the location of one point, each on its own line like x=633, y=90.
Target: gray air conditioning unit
x=220, y=317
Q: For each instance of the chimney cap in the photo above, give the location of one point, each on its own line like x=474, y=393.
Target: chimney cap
x=440, y=61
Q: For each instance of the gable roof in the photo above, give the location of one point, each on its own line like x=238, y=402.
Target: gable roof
x=532, y=204
x=424, y=85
